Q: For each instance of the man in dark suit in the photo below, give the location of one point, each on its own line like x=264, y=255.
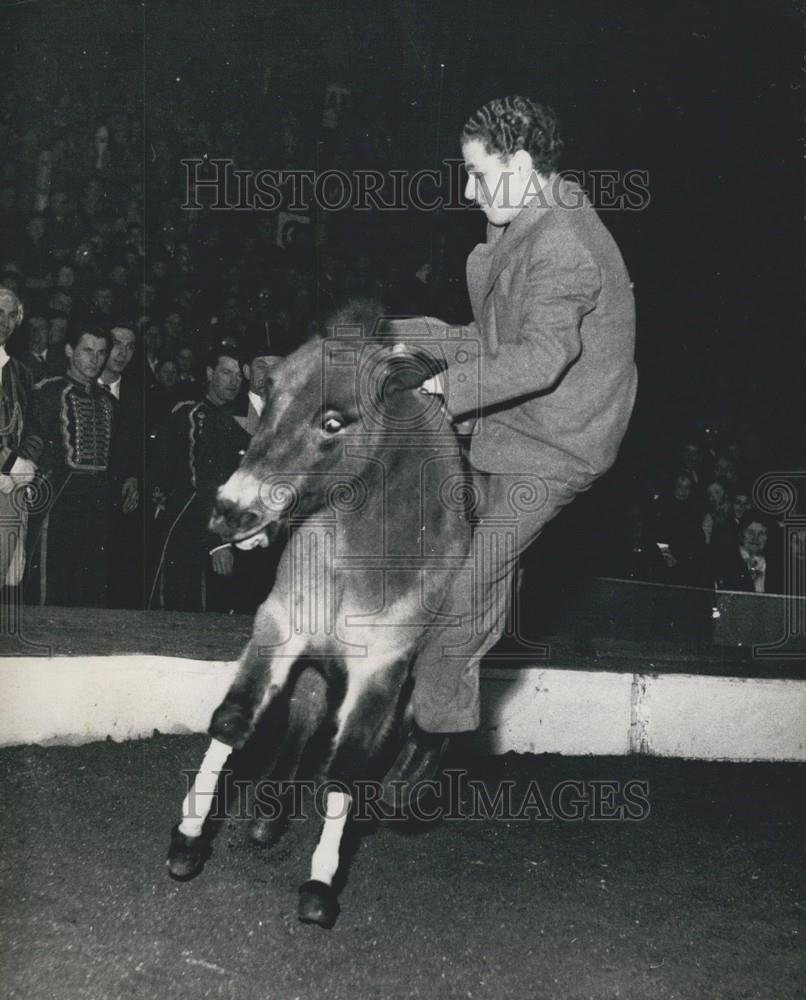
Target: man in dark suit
x=548, y=379
x=126, y=559
x=21, y=442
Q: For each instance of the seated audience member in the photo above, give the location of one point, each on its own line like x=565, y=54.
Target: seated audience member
x=85, y=463
x=726, y=531
x=126, y=565
x=188, y=382
x=717, y=510
x=678, y=532
x=751, y=565
x=34, y=349
x=162, y=396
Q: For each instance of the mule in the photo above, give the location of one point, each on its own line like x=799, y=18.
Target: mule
x=365, y=471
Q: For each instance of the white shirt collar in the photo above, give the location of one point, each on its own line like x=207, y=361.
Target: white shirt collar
x=113, y=387
x=4, y=357
x=257, y=402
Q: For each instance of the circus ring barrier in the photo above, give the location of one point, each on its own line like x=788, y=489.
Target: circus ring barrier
x=665, y=671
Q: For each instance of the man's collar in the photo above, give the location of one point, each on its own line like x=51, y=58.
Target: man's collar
x=257, y=402
x=4, y=358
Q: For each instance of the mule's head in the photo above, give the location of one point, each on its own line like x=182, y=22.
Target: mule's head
x=332, y=405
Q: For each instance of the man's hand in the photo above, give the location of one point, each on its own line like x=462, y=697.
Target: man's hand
x=223, y=560
x=131, y=495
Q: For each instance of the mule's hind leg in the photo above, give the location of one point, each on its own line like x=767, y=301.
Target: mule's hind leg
x=361, y=723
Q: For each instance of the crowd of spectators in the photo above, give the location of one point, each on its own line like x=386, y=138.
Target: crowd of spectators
x=98, y=241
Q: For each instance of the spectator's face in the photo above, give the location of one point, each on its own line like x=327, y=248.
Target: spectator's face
x=225, y=380
x=103, y=299
x=37, y=334
x=36, y=229
x=259, y=371
x=173, y=324
x=10, y=314
x=690, y=457
x=119, y=275
x=122, y=350
x=754, y=538
x=62, y=302
x=65, y=277
x=185, y=359
x=741, y=505
x=167, y=374
x=85, y=361
x=725, y=469
x=58, y=330
x=682, y=488
x=715, y=493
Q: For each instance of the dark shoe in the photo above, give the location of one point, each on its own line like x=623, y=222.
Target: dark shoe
x=419, y=760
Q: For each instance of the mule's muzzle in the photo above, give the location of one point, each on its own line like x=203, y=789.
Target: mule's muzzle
x=232, y=521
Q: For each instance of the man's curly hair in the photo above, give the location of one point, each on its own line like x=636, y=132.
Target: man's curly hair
x=507, y=124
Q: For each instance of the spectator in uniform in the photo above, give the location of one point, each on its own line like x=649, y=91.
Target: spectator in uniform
x=196, y=449
x=84, y=462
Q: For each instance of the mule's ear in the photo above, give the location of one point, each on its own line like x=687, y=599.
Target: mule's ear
x=408, y=368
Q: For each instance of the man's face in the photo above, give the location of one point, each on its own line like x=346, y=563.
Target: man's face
x=58, y=330
x=86, y=360
x=167, y=374
x=185, y=359
x=499, y=185
x=65, y=277
x=682, y=488
x=62, y=302
x=260, y=369
x=37, y=334
x=122, y=350
x=754, y=538
x=10, y=314
x=225, y=380
x=103, y=299
x=741, y=505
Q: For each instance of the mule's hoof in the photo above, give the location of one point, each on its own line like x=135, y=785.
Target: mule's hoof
x=186, y=855
x=317, y=904
x=231, y=724
x=262, y=832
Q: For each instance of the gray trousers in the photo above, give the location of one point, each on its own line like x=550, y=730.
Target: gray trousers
x=511, y=511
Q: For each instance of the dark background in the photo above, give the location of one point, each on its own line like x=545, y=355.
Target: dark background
x=704, y=96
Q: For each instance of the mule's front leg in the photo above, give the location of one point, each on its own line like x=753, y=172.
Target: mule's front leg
x=257, y=682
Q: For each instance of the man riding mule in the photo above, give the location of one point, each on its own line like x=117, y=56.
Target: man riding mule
x=546, y=378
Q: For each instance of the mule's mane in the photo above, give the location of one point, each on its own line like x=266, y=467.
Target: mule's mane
x=363, y=316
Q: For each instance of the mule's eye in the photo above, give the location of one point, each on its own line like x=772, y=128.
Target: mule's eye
x=332, y=423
